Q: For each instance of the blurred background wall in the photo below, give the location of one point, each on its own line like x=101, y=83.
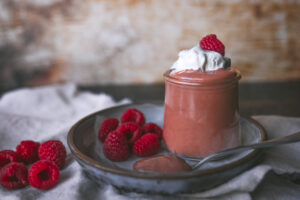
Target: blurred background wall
x=93, y=42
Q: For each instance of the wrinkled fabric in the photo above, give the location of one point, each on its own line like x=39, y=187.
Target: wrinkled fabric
x=45, y=113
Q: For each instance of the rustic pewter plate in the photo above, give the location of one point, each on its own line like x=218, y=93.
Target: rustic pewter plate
x=87, y=151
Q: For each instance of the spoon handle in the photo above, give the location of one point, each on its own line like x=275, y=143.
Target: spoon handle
x=264, y=144
x=295, y=137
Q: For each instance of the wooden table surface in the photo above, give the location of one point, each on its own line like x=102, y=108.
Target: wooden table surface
x=266, y=98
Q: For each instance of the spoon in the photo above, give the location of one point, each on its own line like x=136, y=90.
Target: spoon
x=264, y=144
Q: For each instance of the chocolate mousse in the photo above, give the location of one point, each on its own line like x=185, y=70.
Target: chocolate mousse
x=166, y=163
x=201, y=103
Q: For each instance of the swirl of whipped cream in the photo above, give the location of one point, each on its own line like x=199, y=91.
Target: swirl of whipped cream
x=196, y=58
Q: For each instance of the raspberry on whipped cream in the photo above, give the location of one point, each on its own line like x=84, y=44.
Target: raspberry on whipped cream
x=197, y=58
x=212, y=43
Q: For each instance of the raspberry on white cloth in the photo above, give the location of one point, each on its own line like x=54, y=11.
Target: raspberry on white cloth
x=53, y=150
x=7, y=156
x=14, y=175
x=43, y=174
x=28, y=150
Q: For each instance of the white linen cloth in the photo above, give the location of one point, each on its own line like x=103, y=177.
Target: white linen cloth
x=48, y=112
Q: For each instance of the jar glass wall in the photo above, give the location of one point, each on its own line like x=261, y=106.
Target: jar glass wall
x=202, y=115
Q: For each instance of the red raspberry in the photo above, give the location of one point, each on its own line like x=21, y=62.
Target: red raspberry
x=116, y=147
x=43, y=174
x=7, y=156
x=53, y=150
x=152, y=128
x=13, y=175
x=28, y=150
x=211, y=43
x=131, y=130
x=133, y=115
x=108, y=125
x=147, y=145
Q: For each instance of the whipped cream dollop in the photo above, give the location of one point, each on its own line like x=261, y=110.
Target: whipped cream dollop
x=197, y=58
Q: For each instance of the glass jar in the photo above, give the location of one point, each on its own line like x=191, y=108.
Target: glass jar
x=201, y=112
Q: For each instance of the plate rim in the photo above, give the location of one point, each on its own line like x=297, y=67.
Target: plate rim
x=149, y=175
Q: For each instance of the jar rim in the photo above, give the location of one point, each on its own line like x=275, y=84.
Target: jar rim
x=204, y=82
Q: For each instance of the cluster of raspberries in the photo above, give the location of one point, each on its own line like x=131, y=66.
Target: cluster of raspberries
x=44, y=159
x=132, y=135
